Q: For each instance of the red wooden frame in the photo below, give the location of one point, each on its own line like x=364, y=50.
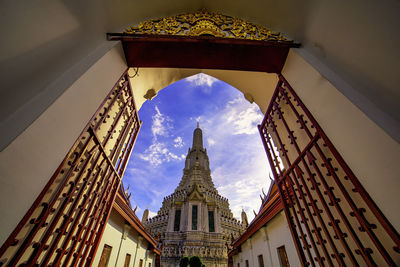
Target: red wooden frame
x=203, y=52
x=333, y=220
x=66, y=221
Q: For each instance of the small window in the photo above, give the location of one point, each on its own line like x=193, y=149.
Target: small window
x=105, y=256
x=211, y=221
x=238, y=264
x=149, y=264
x=247, y=263
x=283, y=259
x=177, y=221
x=194, y=217
x=260, y=261
x=127, y=260
x=141, y=263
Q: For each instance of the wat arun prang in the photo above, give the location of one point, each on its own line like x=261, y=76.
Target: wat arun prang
x=195, y=220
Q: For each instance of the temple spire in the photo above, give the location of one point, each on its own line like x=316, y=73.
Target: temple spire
x=197, y=138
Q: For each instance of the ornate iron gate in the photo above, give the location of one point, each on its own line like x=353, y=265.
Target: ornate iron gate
x=332, y=219
x=67, y=220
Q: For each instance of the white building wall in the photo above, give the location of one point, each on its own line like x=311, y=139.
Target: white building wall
x=266, y=243
x=112, y=236
x=279, y=235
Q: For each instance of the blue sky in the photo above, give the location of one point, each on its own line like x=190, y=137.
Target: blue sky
x=238, y=162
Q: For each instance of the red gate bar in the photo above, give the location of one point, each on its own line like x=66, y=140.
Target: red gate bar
x=65, y=223
x=326, y=207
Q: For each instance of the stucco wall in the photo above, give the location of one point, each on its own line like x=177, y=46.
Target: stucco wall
x=30, y=160
x=112, y=236
x=265, y=242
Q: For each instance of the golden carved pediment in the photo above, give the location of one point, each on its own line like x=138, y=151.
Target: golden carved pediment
x=203, y=23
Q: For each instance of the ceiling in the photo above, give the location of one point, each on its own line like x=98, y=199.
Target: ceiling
x=47, y=44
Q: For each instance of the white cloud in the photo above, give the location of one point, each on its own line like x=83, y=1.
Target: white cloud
x=203, y=80
x=210, y=142
x=178, y=142
x=237, y=157
x=152, y=214
x=161, y=124
x=243, y=117
x=242, y=182
x=158, y=153
x=243, y=194
x=196, y=118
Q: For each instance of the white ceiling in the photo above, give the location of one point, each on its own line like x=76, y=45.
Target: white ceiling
x=47, y=44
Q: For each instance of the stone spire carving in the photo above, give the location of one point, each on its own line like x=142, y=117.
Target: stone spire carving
x=145, y=215
x=197, y=158
x=245, y=222
x=197, y=138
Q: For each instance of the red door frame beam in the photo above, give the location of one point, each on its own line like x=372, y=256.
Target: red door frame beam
x=203, y=52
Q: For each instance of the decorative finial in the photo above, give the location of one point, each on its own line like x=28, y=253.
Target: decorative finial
x=198, y=124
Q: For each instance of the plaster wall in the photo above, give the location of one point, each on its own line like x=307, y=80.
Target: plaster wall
x=246, y=254
x=29, y=161
x=112, y=237
x=279, y=235
x=265, y=242
x=369, y=151
x=260, y=247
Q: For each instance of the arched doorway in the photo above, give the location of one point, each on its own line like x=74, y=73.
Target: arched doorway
x=217, y=45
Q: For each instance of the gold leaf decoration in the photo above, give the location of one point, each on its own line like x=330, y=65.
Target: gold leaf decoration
x=203, y=23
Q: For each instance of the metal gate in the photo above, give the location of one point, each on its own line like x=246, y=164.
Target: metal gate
x=66, y=222
x=332, y=219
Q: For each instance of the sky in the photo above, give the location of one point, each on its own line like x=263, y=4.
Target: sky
x=238, y=162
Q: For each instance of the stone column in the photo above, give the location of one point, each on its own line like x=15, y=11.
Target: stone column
x=199, y=216
x=185, y=219
x=171, y=217
x=205, y=211
x=182, y=218
x=217, y=220
x=189, y=224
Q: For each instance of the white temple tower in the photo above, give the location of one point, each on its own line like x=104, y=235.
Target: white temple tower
x=195, y=220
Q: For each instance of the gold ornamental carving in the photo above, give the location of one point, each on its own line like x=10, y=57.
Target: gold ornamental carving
x=204, y=23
